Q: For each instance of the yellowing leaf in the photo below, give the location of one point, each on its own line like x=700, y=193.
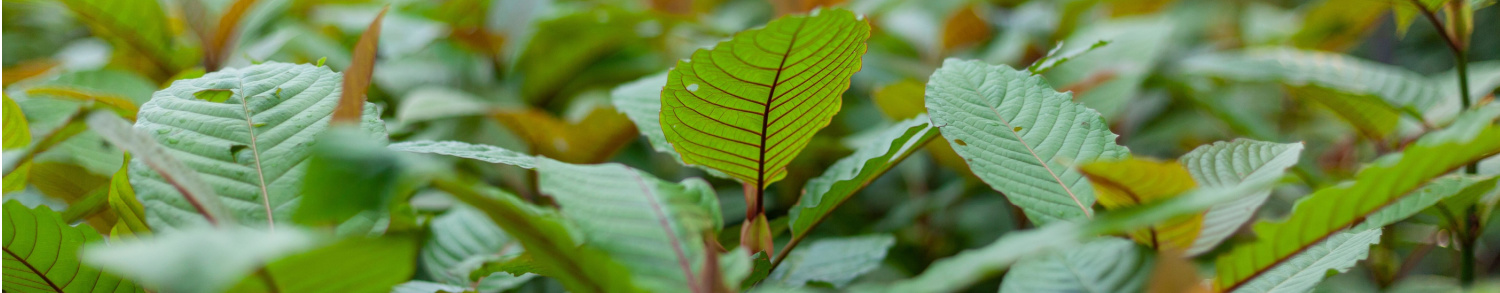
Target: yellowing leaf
x=750, y=104
x=965, y=28
x=17, y=134
x=593, y=139
x=1134, y=181
x=121, y=105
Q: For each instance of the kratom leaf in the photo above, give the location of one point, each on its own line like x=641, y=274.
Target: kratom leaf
x=462, y=235
x=138, y=27
x=428, y=287
x=640, y=100
x=1109, y=78
x=357, y=75
x=382, y=262
x=968, y=267
x=86, y=194
x=550, y=241
x=905, y=100
x=131, y=216
x=1225, y=164
x=434, y=103
x=1402, y=89
x=1300, y=273
x=17, y=134
x=750, y=104
x=1335, y=25
x=218, y=46
x=1017, y=134
x=252, y=148
x=1441, y=189
x=1371, y=116
x=849, y=175
x=487, y=153
x=1056, y=57
x=1135, y=181
x=760, y=269
x=41, y=254
x=1330, y=210
x=348, y=173
x=966, y=27
x=592, y=139
x=172, y=174
x=120, y=104
x=1404, y=12
x=198, y=259
x=653, y=227
x=1104, y=265
x=835, y=261
x=16, y=179
x=572, y=43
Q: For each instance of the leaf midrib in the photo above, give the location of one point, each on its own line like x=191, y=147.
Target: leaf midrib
x=265, y=195
x=1086, y=212
x=666, y=225
x=765, y=121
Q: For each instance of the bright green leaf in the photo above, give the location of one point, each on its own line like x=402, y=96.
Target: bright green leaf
x=41, y=254
x=844, y=178
x=17, y=134
x=640, y=100
x=1299, y=274
x=131, y=216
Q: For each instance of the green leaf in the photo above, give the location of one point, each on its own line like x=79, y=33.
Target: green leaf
x=252, y=148
x=571, y=43
x=131, y=216
x=840, y=181
x=17, y=134
x=427, y=287
x=41, y=254
x=199, y=259
x=1440, y=190
x=1330, y=210
x=348, y=173
x=463, y=235
x=834, y=261
x=547, y=237
x=750, y=104
x=640, y=100
x=1104, y=265
x=1300, y=273
x=1057, y=57
x=137, y=27
x=1019, y=135
x=1370, y=115
x=1109, y=78
x=487, y=153
x=434, y=103
x=1225, y=164
x=154, y=159
x=654, y=227
x=381, y=263
x=1401, y=89
x=1135, y=181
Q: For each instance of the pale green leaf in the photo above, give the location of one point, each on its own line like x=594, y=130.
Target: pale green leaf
x=835, y=261
x=749, y=105
x=570, y=44
x=1020, y=136
x=1331, y=210
x=252, y=149
x=41, y=254
x=155, y=159
x=427, y=287
x=653, y=227
x=1225, y=164
x=1057, y=57
x=1402, y=89
x=640, y=100
x=487, y=153
x=434, y=103
x=844, y=178
x=199, y=259
x=1109, y=78
x=1104, y=265
x=460, y=236
x=1299, y=274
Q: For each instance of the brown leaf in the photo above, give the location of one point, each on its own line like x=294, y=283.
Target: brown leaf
x=27, y=69
x=593, y=139
x=965, y=28
x=357, y=76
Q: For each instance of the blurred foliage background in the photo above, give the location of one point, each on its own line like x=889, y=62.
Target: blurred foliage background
x=536, y=76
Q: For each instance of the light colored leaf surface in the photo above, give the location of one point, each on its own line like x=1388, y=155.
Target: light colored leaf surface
x=1115, y=72
x=822, y=194
x=1400, y=88
x=905, y=100
x=200, y=259
x=173, y=175
x=487, y=153
x=1057, y=57
x=1104, y=265
x=416, y=286
x=1136, y=181
x=749, y=105
x=252, y=149
x=1224, y=164
x=1299, y=274
x=462, y=235
x=1439, y=190
x=41, y=254
x=640, y=100
x=1017, y=134
x=835, y=261
x=653, y=227
x=433, y=103
x=1330, y=210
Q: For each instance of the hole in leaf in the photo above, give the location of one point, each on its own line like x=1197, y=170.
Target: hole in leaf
x=216, y=96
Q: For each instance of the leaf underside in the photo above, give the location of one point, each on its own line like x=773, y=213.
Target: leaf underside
x=749, y=105
x=1105, y=265
x=1225, y=164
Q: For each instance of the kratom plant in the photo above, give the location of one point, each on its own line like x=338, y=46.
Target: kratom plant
x=488, y=146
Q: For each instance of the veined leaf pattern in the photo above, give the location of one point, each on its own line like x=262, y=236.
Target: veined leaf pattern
x=41, y=254
x=252, y=148
x=749, y=105
x=1224, y=164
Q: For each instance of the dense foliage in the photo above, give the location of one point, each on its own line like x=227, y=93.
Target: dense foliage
x=751, y=145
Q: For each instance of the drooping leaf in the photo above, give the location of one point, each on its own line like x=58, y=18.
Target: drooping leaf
x=834, y=261
x=41, y=254
x=750, y=104
x=201, y=200
x=590, y=140
x=132, y=217
x=1104, y=265
x=252, y=148
x=1225, y=164
x=357, y=76
x=548, y=239
x=17, y=134
x=1338, y=253
x=1135, y=181
x=200, y=259
x=851, y=174
x=651, y=226
x=640, y=100
x=480, y=152
x=463, y=235
x=1017, y=133
x=1331, y=210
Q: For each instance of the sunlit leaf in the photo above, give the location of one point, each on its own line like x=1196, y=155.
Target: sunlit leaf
x=751, y=104
x=41, y=254
x=1016, y=132
x=1135, y=181
x=1299, y=274
x=122, y=200
x=640, y=100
